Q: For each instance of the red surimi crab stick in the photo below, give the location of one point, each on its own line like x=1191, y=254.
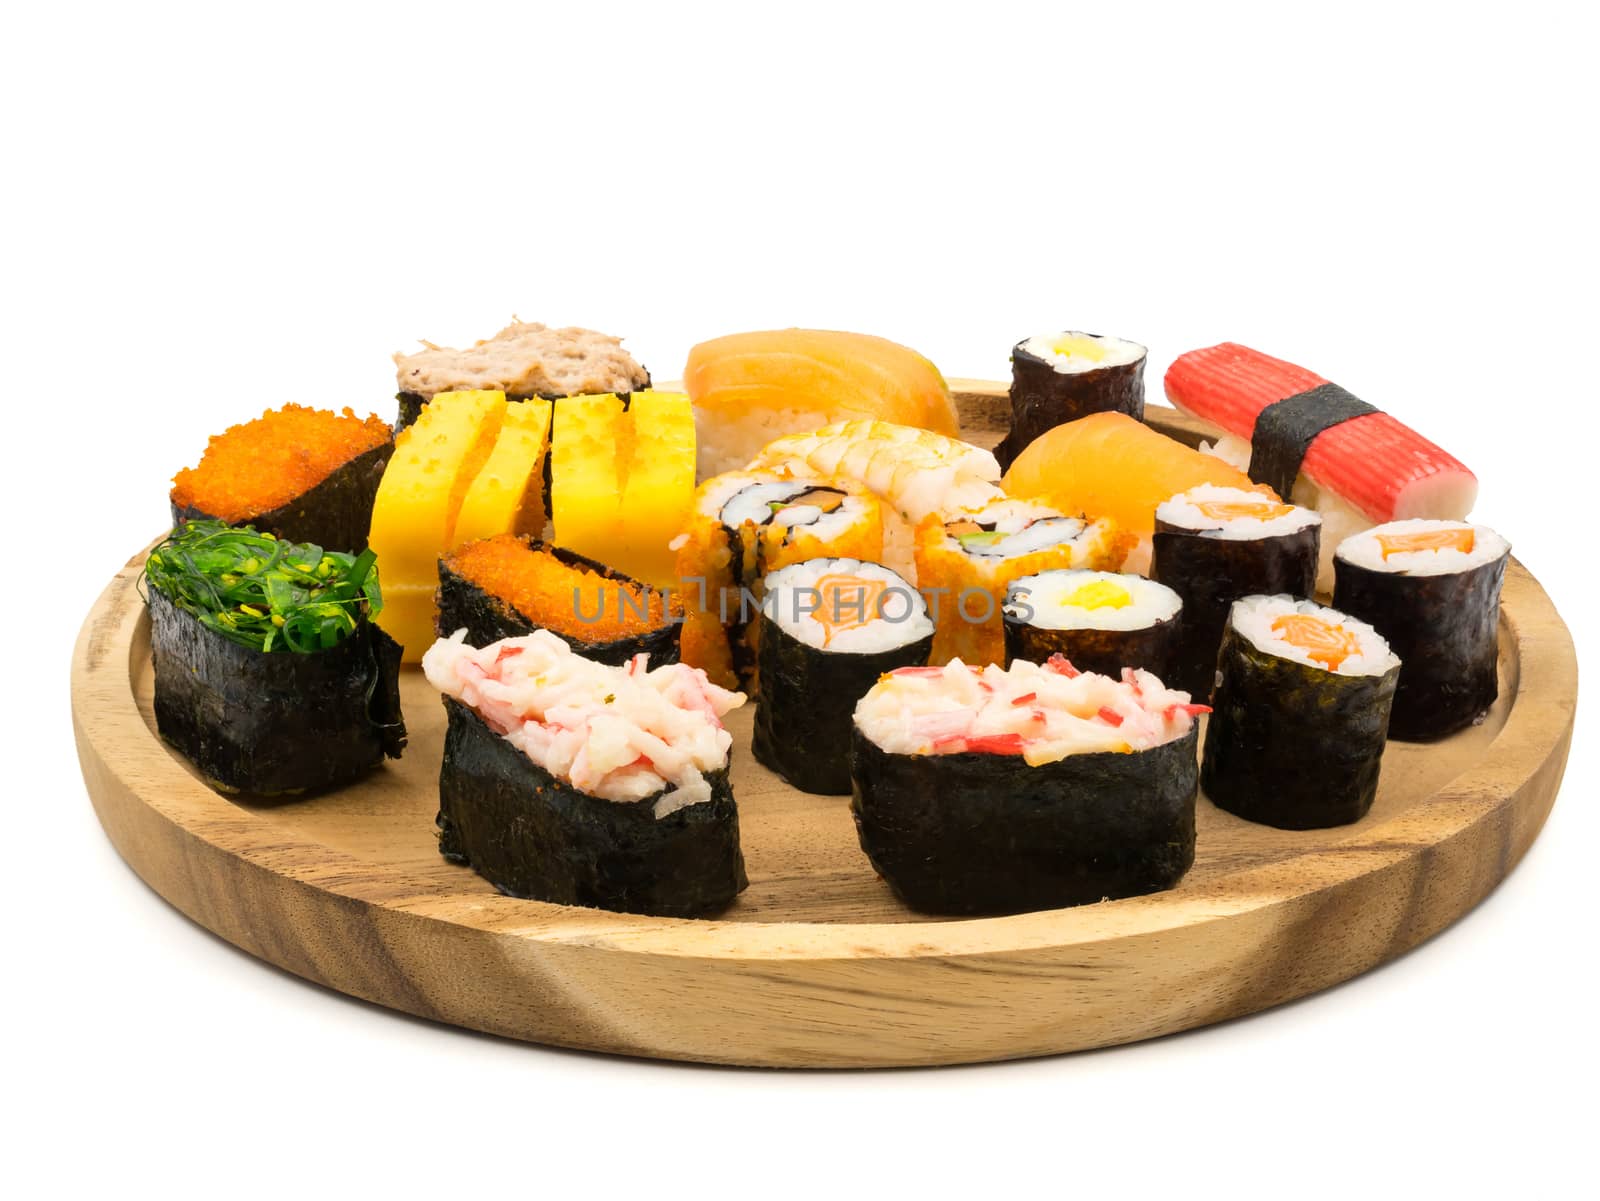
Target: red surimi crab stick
x=1376, y=464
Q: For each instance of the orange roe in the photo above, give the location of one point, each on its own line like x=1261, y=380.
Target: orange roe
x=540, y=587
x=1323, y=641
x=1400, y=544
x=256, y=467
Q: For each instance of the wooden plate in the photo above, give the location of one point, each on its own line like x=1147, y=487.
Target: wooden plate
x=817, y=965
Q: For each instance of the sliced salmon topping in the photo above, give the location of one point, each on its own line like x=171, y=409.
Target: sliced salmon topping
x=1323, y=641
x=1403, y=544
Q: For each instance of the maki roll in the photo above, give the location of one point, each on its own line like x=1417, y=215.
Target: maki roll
x=746, y=524
x=829, y=629
x=526, y=360
x=571, y=781
x=965, y=565
x=270, y=676
x=1432, y=588
x=303, y=475
x=510, y=585
x=1032, y=787
x=1056, y=378
x=1299, y=716
x=1099, y=621
x=1213, y=545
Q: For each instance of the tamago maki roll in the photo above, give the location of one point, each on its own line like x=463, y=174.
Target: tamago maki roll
x=1300, y=714
x=829, y=629
x=1213, y=545
x=270, y=675
x=1432, y=588
x=1099, y=621
x=571, y=781
x=1032, y=787
x=1056, y=378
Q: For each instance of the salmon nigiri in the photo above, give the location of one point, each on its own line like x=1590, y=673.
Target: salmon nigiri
x=1109, y=465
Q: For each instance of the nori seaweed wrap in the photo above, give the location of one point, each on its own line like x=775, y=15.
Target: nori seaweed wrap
x=829, y=628
x=1293, y=743
x=1213, y=545
x=511, y=585
x=585, y=784
x=1098, y=621
x=535, y=836
x=961, y=824
x=1441, y=618
x=1056, y=378
x=273, y=722
x=303, y=475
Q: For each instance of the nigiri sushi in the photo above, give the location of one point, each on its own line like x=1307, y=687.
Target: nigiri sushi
x=1317, y=445
x=1109, y=465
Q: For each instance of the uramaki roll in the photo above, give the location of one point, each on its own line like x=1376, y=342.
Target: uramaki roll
x=1432, y=588
x=1300, y=715
x=1215, y=544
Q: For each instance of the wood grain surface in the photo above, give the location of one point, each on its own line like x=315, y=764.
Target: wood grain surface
x=817, y=965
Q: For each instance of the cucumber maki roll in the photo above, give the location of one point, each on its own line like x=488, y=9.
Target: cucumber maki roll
x=1299, y=716
x=579, y=783
x=1057, y=378
x=1031, y=787
x=270, y=676
x=511, y=585
x=829, y=629
x=1099, y=621
x=1432, y=588
x=299, y=474
x=1213, y=545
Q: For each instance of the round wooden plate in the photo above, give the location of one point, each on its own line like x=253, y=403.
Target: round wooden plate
x=817, y=965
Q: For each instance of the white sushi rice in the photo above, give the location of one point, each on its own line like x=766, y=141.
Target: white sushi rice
x=618, y=733
x=727, y=443
x=1043, y=712
x=1184, y=510
x=1253, y=618
x=1366, y=549
x=1056, y=349
x=815, y=603
x=1044, y=601
x=763, y=500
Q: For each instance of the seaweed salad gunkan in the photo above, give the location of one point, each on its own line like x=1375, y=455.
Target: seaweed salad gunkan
x=571, y=781
x=270, y=676
x=1034, y=787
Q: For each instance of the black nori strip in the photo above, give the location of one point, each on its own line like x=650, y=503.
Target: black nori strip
x=273, y=723
x=535, y=836
x=1150, y=647
x=1291, y=745
x=1210, y=573
x=983, y=833
x=489, y=618
x=1445, y=630
x=411, y=405
x=1043, y=398
x=335, y=514
x=1286, y=428
x=807, y=703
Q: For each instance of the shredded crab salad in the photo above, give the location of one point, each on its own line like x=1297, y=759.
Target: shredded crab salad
x=620, y=733
x=1041, y=712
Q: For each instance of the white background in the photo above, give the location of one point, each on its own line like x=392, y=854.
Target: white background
x=212, y=211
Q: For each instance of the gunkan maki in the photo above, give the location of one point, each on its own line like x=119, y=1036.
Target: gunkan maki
x=1300, y=714
x=1099, y=621
x=1031, y=787
x=300, y=474
x=271, y=677
x=571, y=781
x=829, y=628
x=511, y=585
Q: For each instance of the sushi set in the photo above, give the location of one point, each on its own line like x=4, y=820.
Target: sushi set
x=825, y=712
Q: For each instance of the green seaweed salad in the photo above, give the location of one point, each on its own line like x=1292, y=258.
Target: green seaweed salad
x=262, y=592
